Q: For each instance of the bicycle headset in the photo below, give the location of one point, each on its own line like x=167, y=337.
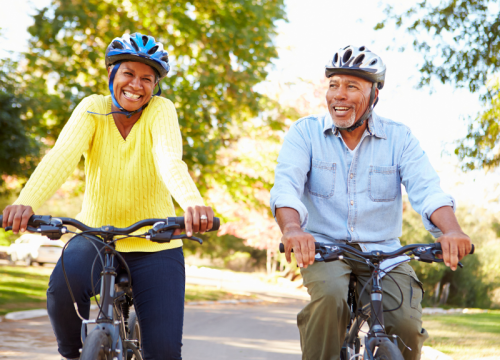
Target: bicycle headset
x=138, y=48
x=360, y=62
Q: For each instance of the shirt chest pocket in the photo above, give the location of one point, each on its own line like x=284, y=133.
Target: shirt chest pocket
x=321, y=181
x=384, y=183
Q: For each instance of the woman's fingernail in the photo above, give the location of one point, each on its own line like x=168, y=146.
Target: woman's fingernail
x=23, y=230
x=301, y=265
x=188, y=234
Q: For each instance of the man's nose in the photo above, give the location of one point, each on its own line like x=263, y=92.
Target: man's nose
x=340, y=93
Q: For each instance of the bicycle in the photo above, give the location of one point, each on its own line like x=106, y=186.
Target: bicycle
x=378, y=344
x=117, y=334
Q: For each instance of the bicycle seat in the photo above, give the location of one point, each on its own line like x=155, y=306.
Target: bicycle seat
x=122, y=282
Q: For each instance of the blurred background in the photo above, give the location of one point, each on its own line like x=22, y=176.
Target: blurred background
x=242, y=72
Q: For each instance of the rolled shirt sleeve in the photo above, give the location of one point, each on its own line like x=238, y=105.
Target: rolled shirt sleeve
x=422, y=183
x=294, y=162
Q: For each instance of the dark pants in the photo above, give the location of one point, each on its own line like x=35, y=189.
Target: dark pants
x=158, y=281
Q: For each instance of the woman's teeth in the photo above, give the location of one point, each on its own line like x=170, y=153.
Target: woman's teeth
x=130, y=95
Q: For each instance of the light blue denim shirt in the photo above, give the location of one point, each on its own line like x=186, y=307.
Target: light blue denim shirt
x=355, y=196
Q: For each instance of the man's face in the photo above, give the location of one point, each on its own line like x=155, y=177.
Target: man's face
x=347, y=99
x=133, y=85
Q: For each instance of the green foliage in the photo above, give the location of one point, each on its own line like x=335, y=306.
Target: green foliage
x=19, y=148
x=218, y=49
x=471, y=286
x=459, y=41
x=480, y=148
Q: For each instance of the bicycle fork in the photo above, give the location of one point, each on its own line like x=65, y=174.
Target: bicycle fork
x=106, y=320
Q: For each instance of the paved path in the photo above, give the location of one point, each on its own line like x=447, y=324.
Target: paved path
x=218, y=332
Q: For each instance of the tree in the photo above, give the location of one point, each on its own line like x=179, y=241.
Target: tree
x=17, y=119
x=218, y=49
x=460, y=44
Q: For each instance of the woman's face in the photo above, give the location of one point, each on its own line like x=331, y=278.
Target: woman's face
x=133, y=85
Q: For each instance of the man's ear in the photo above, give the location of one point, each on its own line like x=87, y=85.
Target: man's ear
x=376, y=95
x=109, y=72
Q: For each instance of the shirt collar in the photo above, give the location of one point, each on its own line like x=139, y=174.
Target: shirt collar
x=375, y=127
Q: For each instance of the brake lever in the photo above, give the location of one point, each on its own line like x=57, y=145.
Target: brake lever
x=429, y=256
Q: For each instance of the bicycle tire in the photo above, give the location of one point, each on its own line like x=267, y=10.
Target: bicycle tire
x=387, y=350
x=134, y=334
x=96, y=346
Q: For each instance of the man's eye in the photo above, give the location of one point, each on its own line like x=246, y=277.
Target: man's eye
x=147, y=79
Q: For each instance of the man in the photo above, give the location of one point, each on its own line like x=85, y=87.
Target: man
x=339, y=179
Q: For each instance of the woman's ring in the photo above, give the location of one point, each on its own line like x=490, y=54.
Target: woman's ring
x=203, y=217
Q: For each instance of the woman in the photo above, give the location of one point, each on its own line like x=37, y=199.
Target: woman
x=133, y=163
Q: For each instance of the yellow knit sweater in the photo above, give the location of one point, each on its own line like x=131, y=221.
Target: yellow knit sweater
x=126, y=180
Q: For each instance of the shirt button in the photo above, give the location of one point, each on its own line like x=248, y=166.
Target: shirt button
x=352, y=176
x=352, y=202
x=352, y=229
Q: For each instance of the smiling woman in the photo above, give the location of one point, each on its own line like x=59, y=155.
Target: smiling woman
x=132, y=146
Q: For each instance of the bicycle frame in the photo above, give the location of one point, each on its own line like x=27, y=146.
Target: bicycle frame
x=110, y=318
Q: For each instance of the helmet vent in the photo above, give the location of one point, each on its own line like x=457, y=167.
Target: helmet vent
x=336, y=58
x=346, y=47
x=165, y=58
x=117, y=45
x=153, y=50
x=144, y=40
x=134, y=45
x=347, y=55
x=362, y=48
x=373, y=62
x=359, y=59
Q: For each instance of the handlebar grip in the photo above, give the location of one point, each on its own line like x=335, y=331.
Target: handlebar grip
x=472, y=249
x=1, y=221
x=215, y=225
x=317, y=245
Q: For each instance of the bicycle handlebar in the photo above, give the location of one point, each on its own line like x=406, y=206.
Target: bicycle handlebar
x=422, y=252
x=162, y=230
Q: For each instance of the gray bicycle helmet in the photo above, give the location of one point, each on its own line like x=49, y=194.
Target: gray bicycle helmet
x=357, y=61
x=360, y=62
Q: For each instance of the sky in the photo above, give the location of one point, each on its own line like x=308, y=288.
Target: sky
x=315, y=31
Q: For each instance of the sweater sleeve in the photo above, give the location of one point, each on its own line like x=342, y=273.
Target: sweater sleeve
x=167, y=152
x=62, y=159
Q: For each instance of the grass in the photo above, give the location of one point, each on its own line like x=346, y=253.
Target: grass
x=465, y=336
x=23, y=288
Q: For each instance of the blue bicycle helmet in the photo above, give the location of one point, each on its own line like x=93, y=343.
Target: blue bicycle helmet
x=139, y=48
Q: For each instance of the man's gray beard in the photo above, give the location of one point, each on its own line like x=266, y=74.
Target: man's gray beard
x=346, y=124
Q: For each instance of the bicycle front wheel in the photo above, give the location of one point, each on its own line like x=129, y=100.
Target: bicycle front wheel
x=135, y=336
x=96, y=346
x=387, y=350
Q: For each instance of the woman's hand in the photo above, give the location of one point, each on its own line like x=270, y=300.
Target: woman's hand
x=197, y=219
x=17, y=216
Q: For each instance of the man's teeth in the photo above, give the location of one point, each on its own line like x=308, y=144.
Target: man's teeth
x=341, y=108
x=130, y=95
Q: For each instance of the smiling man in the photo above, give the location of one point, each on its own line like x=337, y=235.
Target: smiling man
x=338, y=180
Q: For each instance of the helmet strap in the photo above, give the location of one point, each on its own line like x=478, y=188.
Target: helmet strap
x=128, y=114
x=368, y=111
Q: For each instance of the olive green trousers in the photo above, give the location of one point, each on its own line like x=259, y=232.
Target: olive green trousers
x=323, y=322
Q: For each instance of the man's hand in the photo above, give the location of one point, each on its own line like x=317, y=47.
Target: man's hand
x=302, y=244
x=197, y=219
x=455, y=245
x=17, y=216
